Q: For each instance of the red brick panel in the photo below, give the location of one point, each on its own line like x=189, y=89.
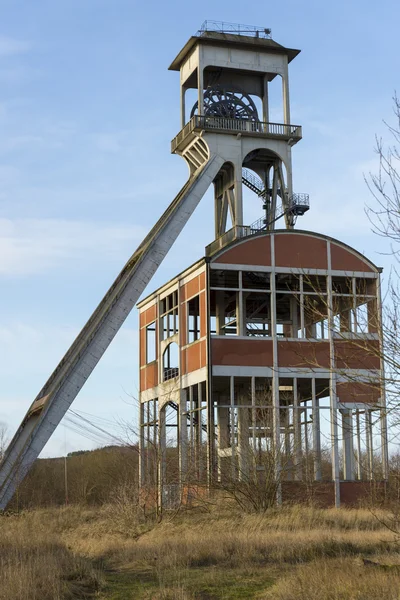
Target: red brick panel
x=148, y=316
x=247, y=353
x=303, y=354
x=358, y=392
x=148, y=376
x=195, y=356
x=192, y=288
x=255, y=251
x=357, y=354
x=300, y=251
x=344, y=260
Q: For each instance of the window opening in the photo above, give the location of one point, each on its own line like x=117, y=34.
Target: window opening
x=224, y=279
x=151, y=342
x=223, y=312
x=169, y=315
x=193, y=308
x=171, y=361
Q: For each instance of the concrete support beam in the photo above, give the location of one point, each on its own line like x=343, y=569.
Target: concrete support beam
x=316, y=429
x=348, y=449
x=298, y=454
x=232, y=426
x=182, y=436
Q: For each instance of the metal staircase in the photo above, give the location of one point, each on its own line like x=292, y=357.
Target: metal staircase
x=254, y=183
x=175, y=406
x=70, y=375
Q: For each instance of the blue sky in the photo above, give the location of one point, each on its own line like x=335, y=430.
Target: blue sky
x=87, y=112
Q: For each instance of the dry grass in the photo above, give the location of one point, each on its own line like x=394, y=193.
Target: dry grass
x=36, y=565
x=298, y=552
x=337, y=579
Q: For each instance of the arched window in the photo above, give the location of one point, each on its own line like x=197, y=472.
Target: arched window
x=171, y=361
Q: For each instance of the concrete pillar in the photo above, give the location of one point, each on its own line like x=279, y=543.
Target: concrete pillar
x=238, y=200
x=358, y=434
x=369, y=444
x=254, y=414
x=199, y=429
x=302, y=332
x=316, y=428
x=384, y=443
x=348, y=450
x=223, y=436
x=200, y=90
x=182, y=437
x=162, y=449
x=288, y=445
x=243, y=441
x=241, y=308
x=285, y=94
x=265, y=100
x=297, y=432
x=191, y=432
x=142, y=449
x=232, y=424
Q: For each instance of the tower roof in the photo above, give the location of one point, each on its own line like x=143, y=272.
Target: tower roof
x=231, y=39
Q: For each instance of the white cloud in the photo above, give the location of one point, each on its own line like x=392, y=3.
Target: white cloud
x=29, y=246
x=11, y=47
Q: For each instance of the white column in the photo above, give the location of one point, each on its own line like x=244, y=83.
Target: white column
x=369, y=444
x=142, y=477
x=162, y=448
x=348, y=451
x=285, y=95
x=265, y=100
x=243, y=440
x=316, y=433
x=238, y=189
x=297, y=432
x=199, y=429
x=232, y=440
x=241, y=308
x=200, y=89
x=358, y=433
x=254, y=413
x=183, y=442
x=223, y=435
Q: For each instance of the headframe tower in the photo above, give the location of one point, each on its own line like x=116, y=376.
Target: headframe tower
x=230, y=67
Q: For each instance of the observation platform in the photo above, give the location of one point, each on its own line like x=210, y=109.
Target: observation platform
x=198, y=123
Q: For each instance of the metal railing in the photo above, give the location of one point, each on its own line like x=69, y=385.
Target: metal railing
x=234, y=28
x=246, y=127
x=300, y=200
x=253, y=182
x=236, y=233
x=171, y=373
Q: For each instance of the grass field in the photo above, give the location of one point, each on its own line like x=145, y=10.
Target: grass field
x=109, y=553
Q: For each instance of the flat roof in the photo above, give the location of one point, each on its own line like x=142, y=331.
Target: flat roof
x=230, y=39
